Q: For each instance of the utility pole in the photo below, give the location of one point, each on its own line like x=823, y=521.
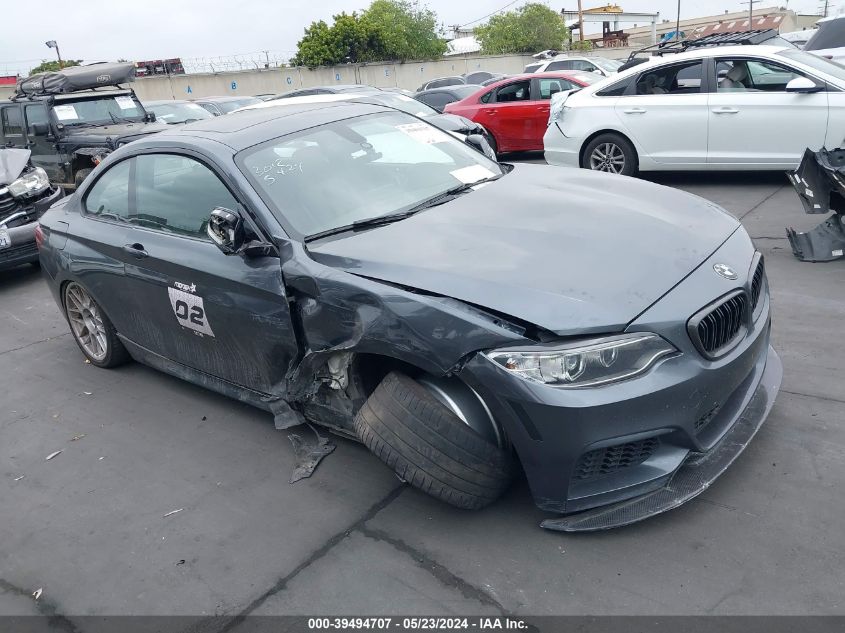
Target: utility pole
x=678, y=23
x=580, y=22
x=751, y=4
x=52, y=44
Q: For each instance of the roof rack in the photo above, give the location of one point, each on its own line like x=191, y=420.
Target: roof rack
x=750, y=38
x=74, y=79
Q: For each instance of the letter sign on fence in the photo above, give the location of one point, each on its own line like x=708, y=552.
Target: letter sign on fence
x=234, y=85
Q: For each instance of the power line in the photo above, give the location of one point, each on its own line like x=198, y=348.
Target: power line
x=493, y=13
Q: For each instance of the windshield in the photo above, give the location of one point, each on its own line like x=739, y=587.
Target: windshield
x=608, y=65
x=821, y=64
x=335, y=174
x=99, y=111
x=831, y=34
x=230, y=106
x=174, y=113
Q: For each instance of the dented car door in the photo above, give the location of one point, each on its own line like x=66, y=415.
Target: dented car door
x=226, y=316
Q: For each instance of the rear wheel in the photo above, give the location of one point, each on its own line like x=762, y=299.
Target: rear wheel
x=91, y=328
x=426, y=444
x=611, y=153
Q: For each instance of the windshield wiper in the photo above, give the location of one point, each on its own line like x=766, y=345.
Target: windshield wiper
x=390, y=218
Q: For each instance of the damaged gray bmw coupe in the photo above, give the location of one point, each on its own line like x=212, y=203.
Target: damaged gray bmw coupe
x=353, y=266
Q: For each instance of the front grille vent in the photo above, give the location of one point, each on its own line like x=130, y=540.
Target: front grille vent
x=716, y=329
x=757, y=284
x=604, y=461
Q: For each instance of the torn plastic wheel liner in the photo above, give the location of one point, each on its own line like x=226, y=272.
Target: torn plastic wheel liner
x=819, y=182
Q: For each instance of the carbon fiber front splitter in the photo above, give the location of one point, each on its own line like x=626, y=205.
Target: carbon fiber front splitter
x=695, y=475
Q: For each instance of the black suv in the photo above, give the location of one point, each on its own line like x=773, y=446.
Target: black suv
x=71, y=119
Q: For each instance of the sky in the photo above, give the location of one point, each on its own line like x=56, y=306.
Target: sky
x=97, y=30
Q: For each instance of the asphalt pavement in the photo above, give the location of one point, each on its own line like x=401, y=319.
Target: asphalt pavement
x=169, y=499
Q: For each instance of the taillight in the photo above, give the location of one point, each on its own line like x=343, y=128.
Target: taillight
x=39, y=236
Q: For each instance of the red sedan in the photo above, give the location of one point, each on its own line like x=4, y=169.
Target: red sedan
x=515, y=110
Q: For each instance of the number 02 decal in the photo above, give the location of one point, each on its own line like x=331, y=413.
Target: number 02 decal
x=189, y=311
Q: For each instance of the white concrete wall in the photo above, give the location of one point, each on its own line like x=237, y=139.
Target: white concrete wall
x=409, y=75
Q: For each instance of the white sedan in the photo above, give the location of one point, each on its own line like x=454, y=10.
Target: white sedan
x=717, y=108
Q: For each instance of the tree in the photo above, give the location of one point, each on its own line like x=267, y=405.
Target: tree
x=46, y=66
x=387, y=30
x=404, y=29
x=531, y=28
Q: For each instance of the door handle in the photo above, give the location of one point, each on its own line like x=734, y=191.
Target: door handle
x=490, y=111
x=136, y=250
x=725, y=110
x=634, y=110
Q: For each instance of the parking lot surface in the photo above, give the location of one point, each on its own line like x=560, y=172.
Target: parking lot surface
x=93, y=527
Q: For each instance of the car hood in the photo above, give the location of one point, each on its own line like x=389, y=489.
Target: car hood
x=569, y=250
x=115, y=130
x=12, y=163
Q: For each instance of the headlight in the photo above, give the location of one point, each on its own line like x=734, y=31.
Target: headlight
x=30, y=184
x=586, y=363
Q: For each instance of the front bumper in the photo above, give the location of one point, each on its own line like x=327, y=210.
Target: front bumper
x=696, y=474
x=22, y=248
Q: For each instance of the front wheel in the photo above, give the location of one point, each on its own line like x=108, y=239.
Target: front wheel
x=430, y=447
x=91, y=328
x=611, y=153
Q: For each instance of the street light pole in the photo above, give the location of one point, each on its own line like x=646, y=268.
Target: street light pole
x=52, y=44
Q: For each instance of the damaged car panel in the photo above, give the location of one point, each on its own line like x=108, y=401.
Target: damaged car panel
x=25, y=193
x=819, y=182
x=352, y=266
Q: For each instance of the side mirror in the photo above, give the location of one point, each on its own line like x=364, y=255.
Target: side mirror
x=150, y=117
x=40, y=129
x=226, y=230
x=478, y=142
x=598, y=72
x=803, y=85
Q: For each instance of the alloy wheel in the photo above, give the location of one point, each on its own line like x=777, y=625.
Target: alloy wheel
x=86, y=321
x=608, y=157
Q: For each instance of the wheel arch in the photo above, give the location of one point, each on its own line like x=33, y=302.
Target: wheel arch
x=367, y=370
x=598, y=133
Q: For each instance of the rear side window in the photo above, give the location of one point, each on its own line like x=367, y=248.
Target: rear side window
x=562, y=65
x=485, y=98
x=671, y=79
x=616, y=89
x=530, y=68
x=12, y=124
x=517, y=91
x=176, y=194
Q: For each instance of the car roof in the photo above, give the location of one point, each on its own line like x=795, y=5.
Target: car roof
x=743, y=50
x=243, y=129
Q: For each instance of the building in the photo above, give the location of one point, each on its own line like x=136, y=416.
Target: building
x=780, y=19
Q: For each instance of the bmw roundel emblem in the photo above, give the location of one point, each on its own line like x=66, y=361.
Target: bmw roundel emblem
x=725, y=271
